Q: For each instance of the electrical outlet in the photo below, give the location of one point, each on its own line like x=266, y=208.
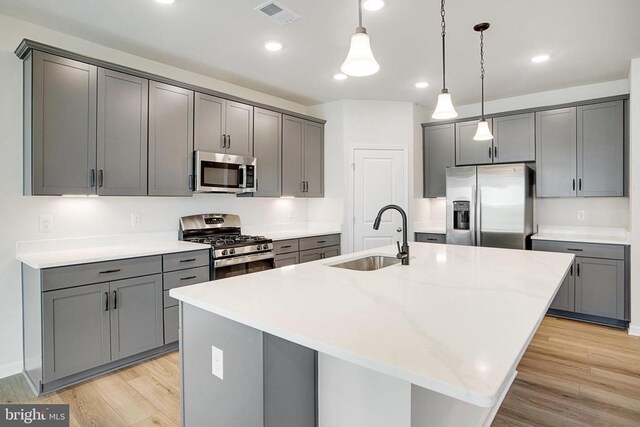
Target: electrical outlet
x=46, y=223
x=580, y=215
x=136, y=219
x=217, y=367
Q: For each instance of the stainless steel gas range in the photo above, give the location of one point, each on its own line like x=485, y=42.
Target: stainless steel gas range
x=233, y=253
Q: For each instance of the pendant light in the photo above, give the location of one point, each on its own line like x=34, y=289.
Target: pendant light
x=483, y=133
x=444, y=108
x=360, y=61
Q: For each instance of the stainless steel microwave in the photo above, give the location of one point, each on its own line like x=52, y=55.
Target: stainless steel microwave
x=224, y=173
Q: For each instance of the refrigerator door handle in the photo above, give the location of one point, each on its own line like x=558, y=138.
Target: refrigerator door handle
x=473, y=222
x=479, y=217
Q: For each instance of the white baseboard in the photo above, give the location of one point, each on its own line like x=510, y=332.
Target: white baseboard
x=634, y=330
x=9, y=369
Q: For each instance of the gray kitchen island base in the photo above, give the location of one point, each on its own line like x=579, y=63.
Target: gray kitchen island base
x=265, y=381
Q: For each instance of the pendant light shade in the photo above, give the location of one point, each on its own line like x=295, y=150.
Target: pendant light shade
x=444, y=109
x=360, y=61
x=483, y=133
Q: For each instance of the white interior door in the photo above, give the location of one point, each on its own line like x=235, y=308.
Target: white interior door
x=380, y=178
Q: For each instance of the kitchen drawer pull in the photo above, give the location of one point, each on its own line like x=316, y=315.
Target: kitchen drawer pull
x=285, y=246
x=110, y=271
x=106, y=301
x=322, y=241
x=575, y=250
x=115, y=300
x=188, y=260
x=431, y=239
x=188, y=278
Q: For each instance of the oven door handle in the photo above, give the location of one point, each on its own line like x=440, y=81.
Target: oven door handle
x=224, y=262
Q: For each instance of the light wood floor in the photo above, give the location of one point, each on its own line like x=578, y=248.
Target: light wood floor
x=573, y=374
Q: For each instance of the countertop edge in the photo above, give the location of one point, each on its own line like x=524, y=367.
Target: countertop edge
x=622, y=241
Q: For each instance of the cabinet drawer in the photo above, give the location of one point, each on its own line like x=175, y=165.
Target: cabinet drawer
x=285, y=246
x=176, y=279
x=183, y=260
x=171, y=323
x=319, y=241
x=74, y=275
x=284, y=260
x=590, y=250
x=431, y=238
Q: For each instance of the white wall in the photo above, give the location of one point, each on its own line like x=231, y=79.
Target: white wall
x=91, y=216
x=634, y=222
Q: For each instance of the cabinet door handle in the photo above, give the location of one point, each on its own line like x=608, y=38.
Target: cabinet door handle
x=188, y=260
x=92, y=178
x=306, y=186
x=115, y=300
x=106, y=301
x=571, y=271
x=110, y=271
x=188, y=278
x=228, y=141
x=489, y=152
x=578, y=265
x=579, y=184
x=101, y=178
x=190, y=182
x=574, y=184
x=495, y=152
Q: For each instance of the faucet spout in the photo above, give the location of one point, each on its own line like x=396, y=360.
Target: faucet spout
x=403, y=253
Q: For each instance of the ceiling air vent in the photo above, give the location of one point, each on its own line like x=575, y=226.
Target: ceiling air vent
x=277, y=12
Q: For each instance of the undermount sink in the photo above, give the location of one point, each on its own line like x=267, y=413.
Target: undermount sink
x=368, y=263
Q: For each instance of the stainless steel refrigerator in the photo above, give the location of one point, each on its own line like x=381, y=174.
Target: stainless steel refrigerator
x=490, y=205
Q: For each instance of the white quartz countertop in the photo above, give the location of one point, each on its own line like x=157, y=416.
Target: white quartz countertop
x=60, y=252
x=456, y=321
x=435, y=227
x=606, y=235
x=292, y=231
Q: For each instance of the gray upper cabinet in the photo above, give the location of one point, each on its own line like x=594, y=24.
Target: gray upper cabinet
x=302, y=158
x=600, y=287
x=292, y=156
x=439, y=153
x=601, y=149
x=122, y=134
x=313, y=159
x=76, y=330
x=267, y=144
x=556, y=153
x=223, y=126
x=468, y=151
x=170, y=140
x=136, y=315
x=514, y=138
x=60, y=158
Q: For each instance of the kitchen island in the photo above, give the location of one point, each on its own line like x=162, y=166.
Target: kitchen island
x=436, y=342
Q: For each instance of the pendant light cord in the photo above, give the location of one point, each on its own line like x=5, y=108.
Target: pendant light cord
x=443, y=25
x=482, y=71
x=359, y=13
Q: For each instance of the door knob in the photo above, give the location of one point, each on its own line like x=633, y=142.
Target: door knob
x=399, y=229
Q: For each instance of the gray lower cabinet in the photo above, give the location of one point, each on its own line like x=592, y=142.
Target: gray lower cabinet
x=122, y=134
x=302, y=158
x=514, y=138
x=431, y=237
x=136, y=316
x=267, y=148
x=60, y=125
x=223, y=126
x=321, y=253
x=76, y=330
x=267, y=381
x=296, y=251
x=170, y=140
x=439, y=154
x=596, y=282
x=468, y=151
x=284, y=260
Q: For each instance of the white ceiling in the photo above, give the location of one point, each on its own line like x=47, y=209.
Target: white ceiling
x=590, y=41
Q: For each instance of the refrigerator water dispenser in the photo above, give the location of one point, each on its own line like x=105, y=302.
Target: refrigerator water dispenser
x=461, y=215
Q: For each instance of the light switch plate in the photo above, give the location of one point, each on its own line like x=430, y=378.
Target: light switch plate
x=46, y=223
x=217, y=365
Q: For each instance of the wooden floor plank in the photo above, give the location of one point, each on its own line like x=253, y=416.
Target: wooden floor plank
x=163, y=397
x=123, y=398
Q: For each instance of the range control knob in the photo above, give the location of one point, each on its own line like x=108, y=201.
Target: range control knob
x=260, y=248
x=232, y=251
x=224, y=252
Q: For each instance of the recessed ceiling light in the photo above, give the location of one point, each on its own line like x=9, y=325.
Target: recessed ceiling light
x=422, y=85
x=340, y=76
x=165, y=1
x=273, y=45
x=373, y=5
x=540, y=58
